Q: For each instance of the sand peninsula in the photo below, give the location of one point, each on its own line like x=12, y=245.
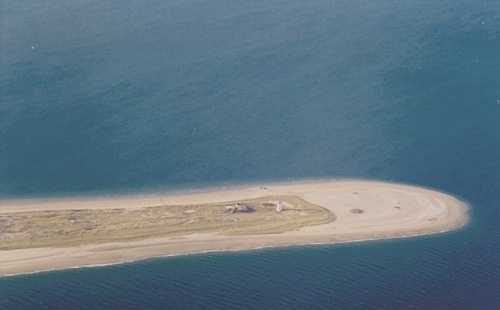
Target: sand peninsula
x=38, y=235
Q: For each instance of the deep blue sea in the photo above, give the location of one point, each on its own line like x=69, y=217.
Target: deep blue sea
x=100, y=97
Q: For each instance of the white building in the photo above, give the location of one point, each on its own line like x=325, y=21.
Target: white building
x=279, y=206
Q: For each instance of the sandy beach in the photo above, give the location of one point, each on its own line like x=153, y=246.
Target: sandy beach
x=363, y=210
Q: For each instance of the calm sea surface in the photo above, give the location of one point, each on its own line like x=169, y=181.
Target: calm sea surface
x=133, y=96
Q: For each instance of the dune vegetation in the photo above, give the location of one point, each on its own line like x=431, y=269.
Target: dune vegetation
x=67, y=228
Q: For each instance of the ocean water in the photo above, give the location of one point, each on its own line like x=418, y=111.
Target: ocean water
x=123, y=97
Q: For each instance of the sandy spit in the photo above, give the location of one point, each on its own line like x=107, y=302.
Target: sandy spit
x=389, y=210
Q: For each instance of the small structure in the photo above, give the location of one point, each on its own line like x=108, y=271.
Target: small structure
x=279, y=206
x=238, y=208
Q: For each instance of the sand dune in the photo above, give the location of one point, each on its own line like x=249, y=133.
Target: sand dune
x=363, y=210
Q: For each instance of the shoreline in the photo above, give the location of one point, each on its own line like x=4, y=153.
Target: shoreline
x=227, y=251
x=391, y=210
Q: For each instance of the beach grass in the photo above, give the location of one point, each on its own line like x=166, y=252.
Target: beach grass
x=68, y=228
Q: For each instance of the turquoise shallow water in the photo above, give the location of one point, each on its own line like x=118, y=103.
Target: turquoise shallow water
x=110, y=98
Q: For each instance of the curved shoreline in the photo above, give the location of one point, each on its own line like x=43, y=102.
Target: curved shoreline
x=390, y=210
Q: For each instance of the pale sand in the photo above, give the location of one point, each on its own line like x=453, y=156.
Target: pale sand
x=389, y=210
